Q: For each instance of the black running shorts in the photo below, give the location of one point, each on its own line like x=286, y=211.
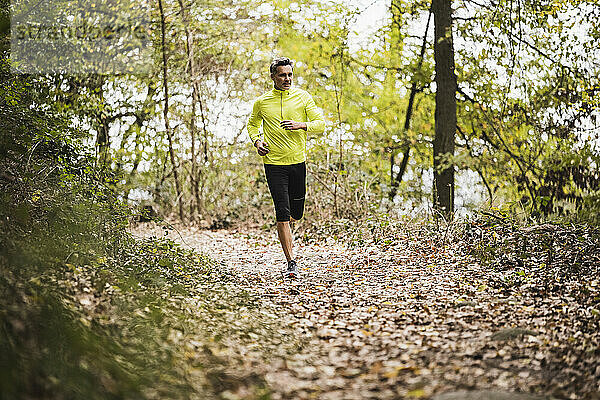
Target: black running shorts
x=287, y=184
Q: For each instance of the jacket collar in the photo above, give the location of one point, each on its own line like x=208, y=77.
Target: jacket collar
x=284, y=92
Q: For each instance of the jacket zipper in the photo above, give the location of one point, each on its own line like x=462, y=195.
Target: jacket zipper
x=281, y=105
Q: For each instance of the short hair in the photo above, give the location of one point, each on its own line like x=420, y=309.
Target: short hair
x=278, y=62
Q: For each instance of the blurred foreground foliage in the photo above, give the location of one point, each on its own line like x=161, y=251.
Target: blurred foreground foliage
x=86, y=310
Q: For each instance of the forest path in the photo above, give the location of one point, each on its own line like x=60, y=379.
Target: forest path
x=408, y=320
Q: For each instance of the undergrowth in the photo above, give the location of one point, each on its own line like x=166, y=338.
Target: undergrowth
x=517, y=252
x=87, y=310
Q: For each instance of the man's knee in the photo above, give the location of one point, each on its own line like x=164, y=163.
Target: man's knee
x=296, y=217
x=297, y=209
x=282, y=213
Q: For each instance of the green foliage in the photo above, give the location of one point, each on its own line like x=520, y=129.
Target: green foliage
x=525, y=116
x=527, y=108
x=86, y=309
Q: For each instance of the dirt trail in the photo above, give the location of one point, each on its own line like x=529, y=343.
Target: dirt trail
x=412, y=320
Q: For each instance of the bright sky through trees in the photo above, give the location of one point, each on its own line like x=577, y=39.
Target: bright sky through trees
x=526, y=89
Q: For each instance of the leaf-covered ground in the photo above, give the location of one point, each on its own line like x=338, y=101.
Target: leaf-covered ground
x=491, y=312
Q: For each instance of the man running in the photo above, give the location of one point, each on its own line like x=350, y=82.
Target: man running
x=287, y=116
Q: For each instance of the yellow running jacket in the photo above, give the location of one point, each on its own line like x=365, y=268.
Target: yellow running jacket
x=285, y=147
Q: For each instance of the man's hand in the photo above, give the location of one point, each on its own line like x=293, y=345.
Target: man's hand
x=292, y=125
x=262, y=148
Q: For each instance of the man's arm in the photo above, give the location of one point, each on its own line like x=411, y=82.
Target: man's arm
x=253, y=130
x=254, y=123
x=292, y=125
x=316, y=122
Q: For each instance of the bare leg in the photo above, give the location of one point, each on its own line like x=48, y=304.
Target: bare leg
x=292, y=225
x=285, y=237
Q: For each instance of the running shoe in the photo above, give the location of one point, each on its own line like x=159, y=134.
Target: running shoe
x=292, y=270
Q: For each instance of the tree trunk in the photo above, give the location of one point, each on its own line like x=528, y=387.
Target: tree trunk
x=445, y=108
x=409, y=109
x=166, y=110
x=103, y=130
x=194, y=175
x=339, y=91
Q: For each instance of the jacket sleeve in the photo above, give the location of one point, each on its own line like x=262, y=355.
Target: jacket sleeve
x=316, y=122
x=254, y=122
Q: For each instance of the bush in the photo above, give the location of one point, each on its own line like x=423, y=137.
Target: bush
x=88, y=311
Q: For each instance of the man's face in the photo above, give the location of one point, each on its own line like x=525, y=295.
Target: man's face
x=283, y=77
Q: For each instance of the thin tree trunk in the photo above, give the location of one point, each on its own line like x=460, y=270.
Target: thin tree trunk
x=103, y=141
x=338, y=101
x=409, y=109
x=102, y=134
x=194, y=178
x=166, y=109
x=203, y=117
x=479, y=171
x=445, y=107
